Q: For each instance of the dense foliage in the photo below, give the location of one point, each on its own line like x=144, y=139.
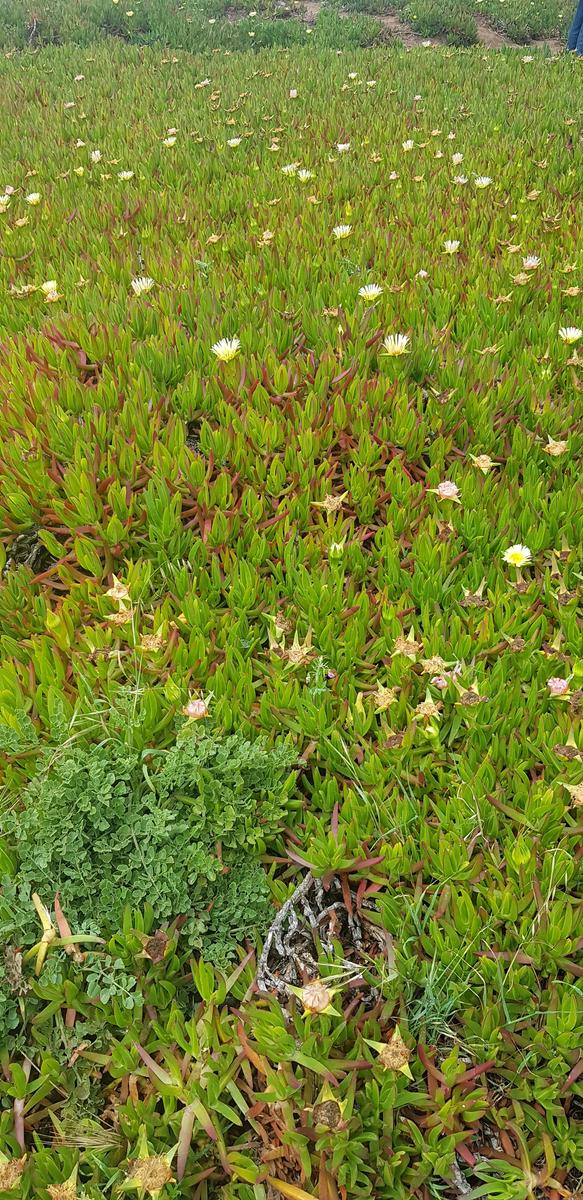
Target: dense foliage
x=289, y=448
x=182, y=830
x=197, y=25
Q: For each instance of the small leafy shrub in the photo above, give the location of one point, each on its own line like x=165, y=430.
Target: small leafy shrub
x=183, y=829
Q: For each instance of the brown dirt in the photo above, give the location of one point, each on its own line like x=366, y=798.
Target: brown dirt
x=492, y=39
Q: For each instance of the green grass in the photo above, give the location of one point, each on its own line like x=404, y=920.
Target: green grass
x=264, y=547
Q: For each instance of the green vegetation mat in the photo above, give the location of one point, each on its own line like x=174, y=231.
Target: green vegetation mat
x=290, y=440
x=230, y=24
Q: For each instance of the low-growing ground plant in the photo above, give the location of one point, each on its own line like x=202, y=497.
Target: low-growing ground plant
x=290, y=449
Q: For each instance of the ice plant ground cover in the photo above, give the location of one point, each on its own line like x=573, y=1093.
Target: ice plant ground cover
x=240, y=497
x=198, y=25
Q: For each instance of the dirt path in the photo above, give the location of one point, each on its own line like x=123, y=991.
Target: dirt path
x=399, y=30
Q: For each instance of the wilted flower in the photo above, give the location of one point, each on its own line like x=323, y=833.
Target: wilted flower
x=460, y=179
x=517, y=555
x=149, y=1173
x=236, y=141
x=79, y=171
x=370, y=292
x=576, y=791
x=396, y=344
x=428, y=709
x=555, y=449
x=407, y=646
x=125, y=175
x=315, y=997
x=33, y=198
x=330, y=504
x=152, y=641
x=383, y=697
x=557, y=686
x=226, y=349
x=447, y=490
x=451, y=247
x=66, y=1190
x=142, y=284
x=483, y=462
x=393, y=1055
x=342, y=231
x=11, y=1170
x=95, y=156
x=118, y=591
x=570, y=334
x=483, y=181
x=439, y=681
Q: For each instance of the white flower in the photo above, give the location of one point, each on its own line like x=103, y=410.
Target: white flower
x=304, y=175
x=80, y=171
x=457, y=158
x=125, y=175
x=396, y=344
x=531, y=262
x=460, y=179
x=570, y=334
x=422, y=274
x=451, y=247
x=483, y=181
x=336, y=549
x=342, y=147
x=234, y=142
x=33, y=198
x=49, y=286
x=290, y=168
x=169, y=141
x=557, y=686
x=171, y=130
x=95, y=156
x=4, y=202
x=293, y=93
x=527, y=58
x=517, y=556
x=8, y=190
x=353, y=75
x=226, y=349
x=142, y=284
x=79, y=143
x=447, y=490
x=371, y=83
x=409, y=144
x=370, y=292
x=342, y=231
x=52, y=297
x=78, y=78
